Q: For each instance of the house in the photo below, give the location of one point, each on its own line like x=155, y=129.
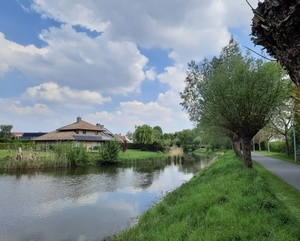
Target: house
x=123, y=138
x=17, y=134
x=79, y=132
x=31, y=135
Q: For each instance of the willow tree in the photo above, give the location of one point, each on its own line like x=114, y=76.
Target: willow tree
x=275, y=26
x=235, y=92
x=143, y=134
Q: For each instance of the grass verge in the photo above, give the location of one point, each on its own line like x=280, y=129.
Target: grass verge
x=137, y=155
x=223, y=202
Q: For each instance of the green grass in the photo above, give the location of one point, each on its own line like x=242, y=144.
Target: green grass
x=223, y=202
x=137, y=155
x=286, y=193
x=280, y=156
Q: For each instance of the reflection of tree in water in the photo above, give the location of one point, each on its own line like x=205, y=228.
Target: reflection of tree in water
x=193, y=163
x=145, y=173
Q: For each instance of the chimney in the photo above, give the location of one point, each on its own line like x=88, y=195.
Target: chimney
x=100, y=126
x=78, y=119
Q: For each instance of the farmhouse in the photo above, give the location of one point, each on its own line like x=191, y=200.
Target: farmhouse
x=79, y=132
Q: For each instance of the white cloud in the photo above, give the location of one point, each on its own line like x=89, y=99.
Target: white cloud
x=151, y=74
x=52, y=92
x=17, y=109
x=174, y=76
x=75, y=71
x=76, y=60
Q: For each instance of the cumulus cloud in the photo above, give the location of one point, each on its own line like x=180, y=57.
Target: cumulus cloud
x=76, y=60
x=76, y=70
x=52, y=92
x=16, y=108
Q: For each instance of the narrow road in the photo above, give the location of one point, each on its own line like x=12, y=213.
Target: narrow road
x=286, y=171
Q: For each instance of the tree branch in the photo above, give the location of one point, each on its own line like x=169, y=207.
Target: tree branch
x=259, y=54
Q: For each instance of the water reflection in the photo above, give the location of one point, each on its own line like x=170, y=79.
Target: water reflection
x=84, y=203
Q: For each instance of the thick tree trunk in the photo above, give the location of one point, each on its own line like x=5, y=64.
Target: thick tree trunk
x=236, y=144
x=247, y=152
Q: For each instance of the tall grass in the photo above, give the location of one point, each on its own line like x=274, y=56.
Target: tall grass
x=223, y=202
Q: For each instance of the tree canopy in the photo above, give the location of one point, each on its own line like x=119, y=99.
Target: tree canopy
x=143, y=134
x=235, y=92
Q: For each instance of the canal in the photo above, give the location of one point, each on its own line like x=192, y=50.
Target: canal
x=87, y=203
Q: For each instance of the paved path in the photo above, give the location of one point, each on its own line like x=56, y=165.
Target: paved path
x=286, y=171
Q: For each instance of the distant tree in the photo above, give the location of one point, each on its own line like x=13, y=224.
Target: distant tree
x=281, y=122
x=5, y=131
x=158, y=133
x=129, y=135
x=186, y=138
x=168, y=136
x=143, y=134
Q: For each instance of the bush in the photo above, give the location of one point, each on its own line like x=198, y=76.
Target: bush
x=77, y=155
x=109, y=152
x=278, y=146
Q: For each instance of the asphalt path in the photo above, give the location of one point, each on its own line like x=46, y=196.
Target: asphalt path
x=286, y=171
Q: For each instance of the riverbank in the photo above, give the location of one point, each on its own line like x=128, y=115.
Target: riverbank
x=222, y=202
x=50, y=159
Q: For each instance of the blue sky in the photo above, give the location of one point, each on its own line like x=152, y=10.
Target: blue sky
x=118, y=63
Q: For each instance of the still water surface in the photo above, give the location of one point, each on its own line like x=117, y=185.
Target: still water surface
x=84, y=203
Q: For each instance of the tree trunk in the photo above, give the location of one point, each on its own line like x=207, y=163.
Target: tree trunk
x=268, y=146
x=287, y=148
x=236, y=144
x=259, y=147
x=247, y=152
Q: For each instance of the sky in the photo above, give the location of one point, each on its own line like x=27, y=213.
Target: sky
x=117, y=63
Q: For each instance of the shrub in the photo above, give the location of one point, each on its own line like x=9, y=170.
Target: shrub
x=109, y=152
x=77, y=155
x=278, y=146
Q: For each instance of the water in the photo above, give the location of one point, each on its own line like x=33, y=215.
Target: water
x=84, y=204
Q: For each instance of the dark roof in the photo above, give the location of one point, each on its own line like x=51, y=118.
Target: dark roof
x=31, y=135
x=91, y=138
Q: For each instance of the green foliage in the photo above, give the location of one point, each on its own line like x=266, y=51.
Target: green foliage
x=186, y=138
x=278, y=146
x=109, y=152
x=157, y=132
x=234, y=92
x=5, y=131
x=77, y=154
x=144, y=134
x=223, y=202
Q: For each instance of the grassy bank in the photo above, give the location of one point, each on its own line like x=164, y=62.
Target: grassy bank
x=51, y=159
x=223, y=202
x=137, y=155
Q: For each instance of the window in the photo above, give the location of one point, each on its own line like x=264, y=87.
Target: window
x=84, y=132
x=96, y=132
